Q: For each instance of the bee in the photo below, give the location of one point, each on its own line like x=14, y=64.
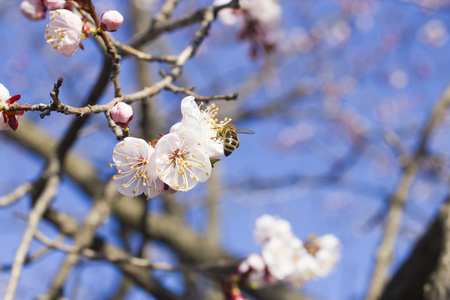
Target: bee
x=229, y=136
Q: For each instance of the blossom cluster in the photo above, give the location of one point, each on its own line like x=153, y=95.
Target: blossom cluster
x=285, y=258
x=260, y=22
x=177, y=161
x=66, y=29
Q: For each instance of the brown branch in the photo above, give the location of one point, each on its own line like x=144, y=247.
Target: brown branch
x=397, y=201
x=145, y=56
x=16, y=194
x=411, y=279
x=188, y=91
x=438, y=286
x=48, y=192
x=83, y=238
x=110, y=49
x=139, y=275
x=154, y=31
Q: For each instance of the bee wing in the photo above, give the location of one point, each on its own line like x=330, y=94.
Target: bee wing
x=245, y=131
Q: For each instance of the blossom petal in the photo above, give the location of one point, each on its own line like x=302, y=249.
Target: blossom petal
x=4, y=93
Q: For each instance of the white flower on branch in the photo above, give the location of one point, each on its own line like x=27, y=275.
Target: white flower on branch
x=136, y=171
x=326, y=250
x=63, y=33
x=268, y=227
x=286, y=258
x=203, y=124
x=280, y=254
x=8, y=119
x=181, y=161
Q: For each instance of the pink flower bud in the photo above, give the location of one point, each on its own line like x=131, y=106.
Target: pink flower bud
x=111, y=20
x=33, y=9
x=54, y=4
x=121, y=114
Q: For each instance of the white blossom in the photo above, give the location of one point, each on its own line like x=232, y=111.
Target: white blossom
x=136, y=170
x=180, y=161
x=327, y=251
x=280, y=254
x=202, y=123
x=306, y=267
x=268, y=227
x=64, y=31
x=286, y=257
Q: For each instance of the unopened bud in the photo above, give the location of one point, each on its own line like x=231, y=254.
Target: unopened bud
x=121, y=114
x=111, y=20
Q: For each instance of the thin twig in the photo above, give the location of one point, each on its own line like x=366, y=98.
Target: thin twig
x=36, y=214
x=110, y=49
x=83, y=238
x=397, y=201
x=16, y=194
x=188, y=91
